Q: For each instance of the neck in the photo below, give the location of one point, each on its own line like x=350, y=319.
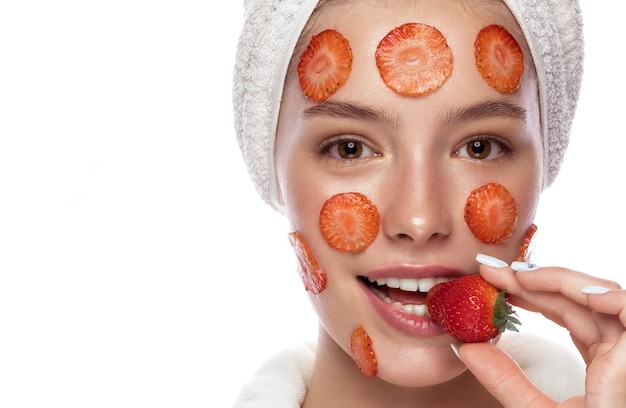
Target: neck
x=337, y=382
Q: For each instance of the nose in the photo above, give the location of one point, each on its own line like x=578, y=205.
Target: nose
x=417, y=205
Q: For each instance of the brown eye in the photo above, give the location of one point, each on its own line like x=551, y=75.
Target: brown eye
x=350, y=149
x=479, y=149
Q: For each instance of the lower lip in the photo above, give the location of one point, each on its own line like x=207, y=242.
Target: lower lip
x=402, y=321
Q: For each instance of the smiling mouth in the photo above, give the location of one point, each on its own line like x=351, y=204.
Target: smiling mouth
x=408, y=295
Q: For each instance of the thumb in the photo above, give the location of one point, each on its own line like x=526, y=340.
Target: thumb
x=502, y=376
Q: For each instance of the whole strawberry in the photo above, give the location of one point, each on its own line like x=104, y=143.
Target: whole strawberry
x=471, y=309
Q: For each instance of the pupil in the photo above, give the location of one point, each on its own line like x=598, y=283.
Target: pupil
x=351, y=148
x=478, y=147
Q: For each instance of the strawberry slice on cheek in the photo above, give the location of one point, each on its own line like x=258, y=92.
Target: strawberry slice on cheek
x=408, y=295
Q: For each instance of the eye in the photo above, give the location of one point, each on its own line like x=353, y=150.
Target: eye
x=348, y=149
x=482, y=149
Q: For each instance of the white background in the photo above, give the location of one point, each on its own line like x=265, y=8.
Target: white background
x=138, y=267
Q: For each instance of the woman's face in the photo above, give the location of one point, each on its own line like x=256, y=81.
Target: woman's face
x=415, y=168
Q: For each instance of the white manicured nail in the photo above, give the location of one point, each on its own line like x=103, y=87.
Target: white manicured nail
x=593, y=290
x=455, y=348
x=523, y=266
x=490, y=261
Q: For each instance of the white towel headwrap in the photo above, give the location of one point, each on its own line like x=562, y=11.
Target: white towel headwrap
x=552, y=28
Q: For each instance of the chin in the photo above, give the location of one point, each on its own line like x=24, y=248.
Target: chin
x=421, y=371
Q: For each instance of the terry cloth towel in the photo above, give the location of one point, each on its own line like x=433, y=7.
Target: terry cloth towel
x=553, y=31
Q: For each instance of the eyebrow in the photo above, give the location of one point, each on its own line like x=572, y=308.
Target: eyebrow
x=351, y=111
x=487, y=109
x=480, y=110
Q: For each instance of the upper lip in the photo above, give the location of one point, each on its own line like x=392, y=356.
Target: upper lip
x=415, y=272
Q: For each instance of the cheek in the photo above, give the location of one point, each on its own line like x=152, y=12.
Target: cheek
x=525, y=249
x=312, y=276
x=349, y=222
x=491, y=213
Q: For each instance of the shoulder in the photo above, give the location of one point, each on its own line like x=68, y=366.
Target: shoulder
x=281, y=382
x=557, y=370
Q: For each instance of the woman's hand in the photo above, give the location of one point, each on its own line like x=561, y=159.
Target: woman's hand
x=596, y=322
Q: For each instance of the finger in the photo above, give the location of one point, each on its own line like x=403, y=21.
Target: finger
x=612, y=302
x=606, y=376
x=503, y=278
x=556, y=306
x=610, y=315
x=561, y=280
x=586, y=326
x=500, y=374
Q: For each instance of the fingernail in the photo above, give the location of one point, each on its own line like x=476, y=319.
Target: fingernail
x=490, y=261
x=593, y=290
x=455, y=348
x=523, y=266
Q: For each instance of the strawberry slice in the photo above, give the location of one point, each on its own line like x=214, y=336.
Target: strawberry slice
x=491, y=214
x=471, y=309
x=414, y=59
x=499, y=58
x=524, y=252
x=313, y=277
x=362, y=352
x=325, y=65
x=349, y=222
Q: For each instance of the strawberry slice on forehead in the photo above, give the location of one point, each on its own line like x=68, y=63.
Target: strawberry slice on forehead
x=414, y=59
x=325, y=65
x=499, y=58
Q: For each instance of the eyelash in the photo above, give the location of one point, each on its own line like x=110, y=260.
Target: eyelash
x=325, y=147
x=504, y=145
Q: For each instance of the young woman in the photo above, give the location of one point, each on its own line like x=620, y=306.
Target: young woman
x=381, y=129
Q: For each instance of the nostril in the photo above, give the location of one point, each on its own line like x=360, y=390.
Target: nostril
x=417, y=221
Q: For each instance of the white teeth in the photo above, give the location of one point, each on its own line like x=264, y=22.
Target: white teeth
x=416, y=310
x=391, y=282
x=427, y=283
x=410, y=285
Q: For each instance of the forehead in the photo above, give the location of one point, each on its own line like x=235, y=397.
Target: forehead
x=484, y=8
x=365, y=15
x=364, y=23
